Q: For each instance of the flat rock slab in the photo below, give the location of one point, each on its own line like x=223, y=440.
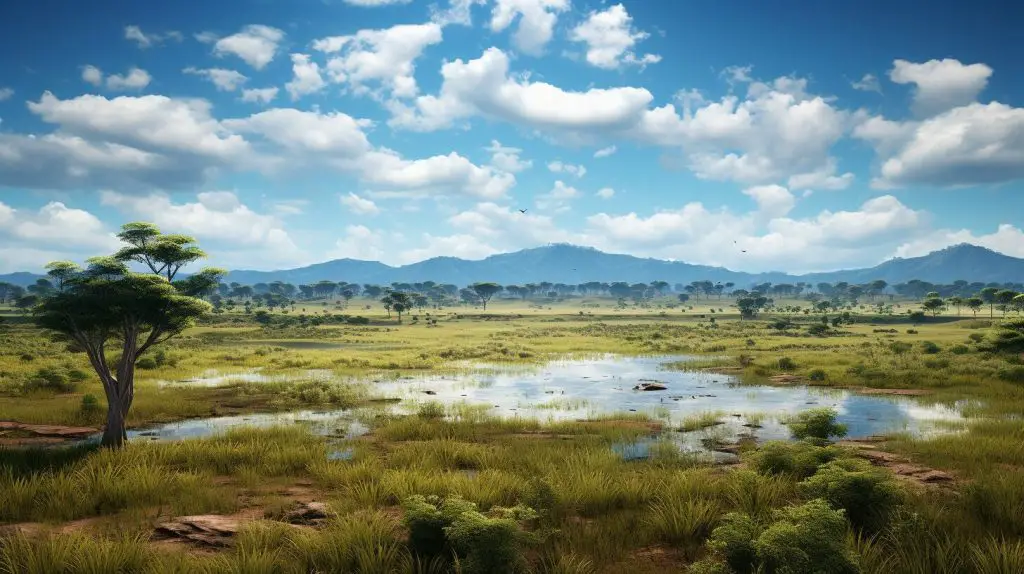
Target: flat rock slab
x=650, y=387
x=49, y=430
x=307, y=514
x=205, y=529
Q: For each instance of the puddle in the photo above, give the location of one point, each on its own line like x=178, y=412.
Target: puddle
x=335, y=424
x=215, y=377
x=574, y=389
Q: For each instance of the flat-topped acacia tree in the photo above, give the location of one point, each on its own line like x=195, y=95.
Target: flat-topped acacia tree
x=106, y=307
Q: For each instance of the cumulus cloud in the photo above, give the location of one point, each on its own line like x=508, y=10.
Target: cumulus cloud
x=143, y=40
x=219, y=217
x=359, y=205
x=773, y=201
x=606, y=151
x=610, y=37
x=557, y=200
x=259, y=95
x=359, y=242
x=941, y=85
x=134, y=79
x=483, y=87
x=29, y=239
x=1007, y=239
x=225, y=80
x=306, y=77
x=457, y=12
x=507, y=158
x=255, y=44
x=536, y=22
x=605, y=193
x=558, y=166
x=868, y=83
x=379, y=61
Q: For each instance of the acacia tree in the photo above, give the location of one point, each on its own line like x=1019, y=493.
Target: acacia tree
x=974, y=303
x=108, y=308
x=485, y=291
x=397, y=301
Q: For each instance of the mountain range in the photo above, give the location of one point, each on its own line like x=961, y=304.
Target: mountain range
x=563, y=263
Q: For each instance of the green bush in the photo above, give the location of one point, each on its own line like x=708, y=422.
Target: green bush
x=911, y=331
x=929, y=347
x=817, y=375
x=77, y=375
x=453, y=527
x=1014, y=374
x=146, y=363
x=90, y=406
x=357, y=320
x=960, y=349
x=786, y=364
x=816, y=423
x=48, y=378
x=866, y=494
x=818, y=330
x=805, y=539
x=431, y=410
x=800, y=459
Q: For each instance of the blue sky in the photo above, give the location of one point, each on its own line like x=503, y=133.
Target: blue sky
x=755, y=135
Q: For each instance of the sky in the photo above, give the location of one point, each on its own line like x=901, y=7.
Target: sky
x=755, y=135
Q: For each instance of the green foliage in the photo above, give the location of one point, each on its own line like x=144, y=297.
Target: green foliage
x=734, y=542
x=453, y=527
x=866, y=494
x=799, y=459
x=818, y=330
x=817, y=375
x=929, y=347
x=786, y=364
x=806, y=539
x=49, y=378
x=90, y=405
x=146, y=363
x=816, y=423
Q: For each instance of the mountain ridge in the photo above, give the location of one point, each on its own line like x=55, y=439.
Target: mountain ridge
x=565, y=263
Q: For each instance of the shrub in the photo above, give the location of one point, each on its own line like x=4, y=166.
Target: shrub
x=929, y=347
x=866, y=494
x=357, y=320
x=911, y=331
x=916, y=316
x=976, y=337
x=816, y=423
x=77, y=375
x=800, y=459
x=817, y=375
x=50, y=379
x=786, y=364
x=146, y=363
x=1014, y=374
x=432, y=410
x=805, y=539
x=27, y=357
x=818, y=330
x=960, y=349
x=453, y=526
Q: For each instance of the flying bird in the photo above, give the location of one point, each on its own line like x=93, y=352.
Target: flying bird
x=744, y=250
x=522, y=211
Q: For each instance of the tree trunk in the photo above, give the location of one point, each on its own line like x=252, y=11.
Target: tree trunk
x=114, y=436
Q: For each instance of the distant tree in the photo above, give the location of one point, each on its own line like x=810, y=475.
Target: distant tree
x=988, y=295
x=974, y=303
x=751, y=305
x=41, y=288
x=372, y=291
x=485, y=291
x=26, y=302
x=347, y=294
x=934, y=304
x=659, y=286
x=683, y=297
x=956, y=301
x=1018, y=302
x=1005, y=299
x=107, y=306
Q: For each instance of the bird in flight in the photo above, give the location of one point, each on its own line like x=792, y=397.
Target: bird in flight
x=522, y=211
x=744, y=250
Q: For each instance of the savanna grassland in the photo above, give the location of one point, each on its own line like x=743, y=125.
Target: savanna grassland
x=448, y=489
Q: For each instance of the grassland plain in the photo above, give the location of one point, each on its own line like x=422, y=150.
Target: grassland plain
x=86, y=510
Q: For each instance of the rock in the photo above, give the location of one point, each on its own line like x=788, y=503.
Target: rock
x=307, y=513
x=933, y=476
x=429, y=392
x=49, y=430
x=205, y=529
x=650, y=387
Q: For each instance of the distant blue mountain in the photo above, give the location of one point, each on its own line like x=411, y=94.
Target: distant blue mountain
x=572, y=264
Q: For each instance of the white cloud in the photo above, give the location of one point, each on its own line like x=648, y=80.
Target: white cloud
x=457, y=12
x=385, y=57
x=256, y=44
x=975, y=144
x=146, y=40
x=941, y=85
x=5, y=94
x=462, y=246
x=259, y=95
x=610, y=37
x=557, y=200
x=558, y=166
x=822, y=178
x=56, y=225
x=536, y=21
x=225, y=80
x=220, y=218
x=359, y=205
x=605, y=193
x=306, y=78
x=135, y=79
x=92, y=75
x=1007, y=239
x=338, y=139
x=483, y=87
x=773, y=201
x=606, y=151
x=507, y=158
x=869, y=83
x=360, y=242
